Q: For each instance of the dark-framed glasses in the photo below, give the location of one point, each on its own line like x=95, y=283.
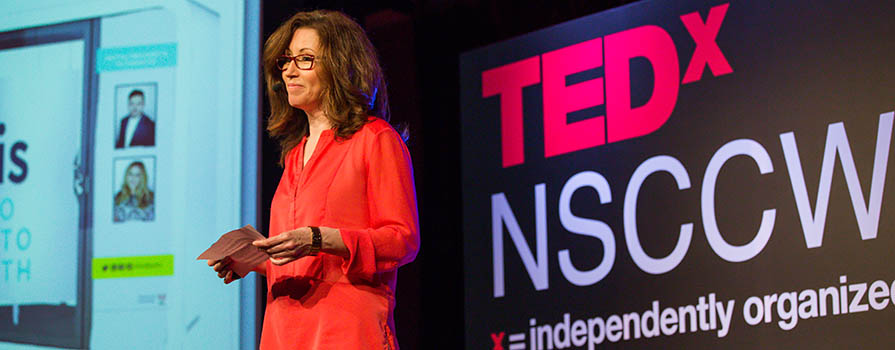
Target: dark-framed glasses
x=303, y=62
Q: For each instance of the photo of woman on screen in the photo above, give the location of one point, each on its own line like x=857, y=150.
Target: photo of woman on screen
x=135, y=201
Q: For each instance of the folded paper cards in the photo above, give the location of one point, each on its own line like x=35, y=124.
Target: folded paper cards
x=237, y=245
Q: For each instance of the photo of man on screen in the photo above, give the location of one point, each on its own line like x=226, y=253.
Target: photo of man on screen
x=136, y=129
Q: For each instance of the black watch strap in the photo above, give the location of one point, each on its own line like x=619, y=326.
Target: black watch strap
x=316, y=240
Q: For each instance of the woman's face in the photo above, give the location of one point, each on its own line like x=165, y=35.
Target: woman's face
x=304, y=86
x=134, y=177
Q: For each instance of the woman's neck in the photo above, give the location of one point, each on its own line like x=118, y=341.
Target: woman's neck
x=317, y=122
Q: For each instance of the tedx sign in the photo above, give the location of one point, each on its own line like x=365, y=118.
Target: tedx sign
x=682, y=174
x=621, y=120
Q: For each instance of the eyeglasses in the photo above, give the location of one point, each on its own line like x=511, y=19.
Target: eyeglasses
x=303, y=62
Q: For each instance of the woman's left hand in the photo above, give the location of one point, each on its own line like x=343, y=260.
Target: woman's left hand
x=287, y=246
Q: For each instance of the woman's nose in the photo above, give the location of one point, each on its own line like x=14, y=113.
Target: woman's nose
x=291, y=69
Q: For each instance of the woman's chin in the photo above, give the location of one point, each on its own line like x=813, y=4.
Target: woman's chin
x=297, y=102
x=303, y=104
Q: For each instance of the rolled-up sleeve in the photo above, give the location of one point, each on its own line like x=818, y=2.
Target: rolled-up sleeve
x=393, y=237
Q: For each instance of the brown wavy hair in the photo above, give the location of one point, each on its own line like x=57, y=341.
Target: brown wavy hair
x=142, y=193
x=353, y=83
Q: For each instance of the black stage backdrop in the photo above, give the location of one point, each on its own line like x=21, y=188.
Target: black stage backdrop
x=682, y=174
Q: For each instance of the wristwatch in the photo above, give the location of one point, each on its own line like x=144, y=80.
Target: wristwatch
x=316, y=241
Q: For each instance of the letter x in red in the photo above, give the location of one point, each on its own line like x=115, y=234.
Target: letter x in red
x=497, y=338
x=707, y=51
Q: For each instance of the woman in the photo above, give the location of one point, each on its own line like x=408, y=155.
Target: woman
x=135, y=200
x=344, y=216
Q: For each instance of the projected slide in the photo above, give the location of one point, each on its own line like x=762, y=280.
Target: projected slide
x=41, y=240
x=112, y=181
x=683, y=175
x=40, y=256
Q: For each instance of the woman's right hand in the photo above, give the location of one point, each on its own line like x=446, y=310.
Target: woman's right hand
x=222, y=267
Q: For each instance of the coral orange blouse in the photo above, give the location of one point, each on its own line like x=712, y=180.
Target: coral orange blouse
x=362, y=186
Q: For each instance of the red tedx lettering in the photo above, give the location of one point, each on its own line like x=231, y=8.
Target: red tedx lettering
x=615, y=51
x=654, y=44
x=559, y=136
x=707, y=51
x=508, y=81
x=497, y=339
